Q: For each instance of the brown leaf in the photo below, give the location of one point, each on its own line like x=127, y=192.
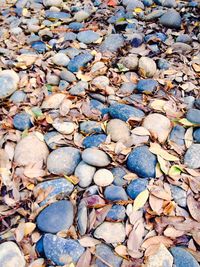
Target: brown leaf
x=170, y=231
x=156, y=204
x=159, y=192
x=88, y=241
x=136, y=237
x=157, y=240
x=193, y=207
x=85, y=259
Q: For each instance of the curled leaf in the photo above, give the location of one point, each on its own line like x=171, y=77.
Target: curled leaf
x=140, y=200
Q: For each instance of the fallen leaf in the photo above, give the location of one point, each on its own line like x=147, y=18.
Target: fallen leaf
x=193, y=207
x=29, y=228
x=140, y=200
x=175, y=171
x=185, y=122
x=157, y=240
x=171, y=232
x=112, y=3
x=156, y=204
x=156, y=149
x=158, y=104
x=88, y=241
x=85, y=259
x=164, y=165
x=140, y=131
x=189, y=137
x=121, y=250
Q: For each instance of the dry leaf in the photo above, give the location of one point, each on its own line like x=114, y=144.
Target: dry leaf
x=88, y=241
x=189, y=137
x=175, y=171
x=140, y=200
x=140, y=131
x=164, y=165
x=157, y=240
x=121, y=250
x=156, y=149
x=85, y=259
x=194, y=207
x=29, y=228
x=158, y=104
x=171, y=232
x=156, y=204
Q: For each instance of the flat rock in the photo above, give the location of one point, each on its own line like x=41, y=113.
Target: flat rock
x=38, y=148
x=118, y=130
x=192, y=156
x=116, y=213
x=89, y=127
x=147, y=85
x=136, y=187
x=63, y=160
x=110, y=232
x=61, y=251
x=115, y=193
x=119, y=173
x=88, y=37
x=193, y=115
x=10, y=255
x=9, y=80
x=85, y=174
x=94, y=140
x=171, y=19
x=158, y=125
x=103, y=177
x=60, y=59
x=108, y=255
x=81, y=15
x=142, y=162
x=67, y=76
x=79, y=61
x=147, y=67
x=95, y=157
x=112, y=43
x=56, y=217
x=183, y=258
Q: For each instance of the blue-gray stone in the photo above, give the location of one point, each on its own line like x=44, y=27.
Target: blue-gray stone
x=196, y=135
x=112, y=43
x=94, y=140
x=184, y=38
x=88, y=37
x=59, y=250
x=95, y=104
x=49, y=138
x=116, y=213
x=63, y=85
x=142, y=162
x=193, y=115
x=82, y=221
x=69, y=36
x=169, y=3
x=22, y=121
x=192, y=156
x=18, y=96
x=75, y=26
x=147, y=2
x=125, y=112
x=106, y=253
x=39, y=46
x=137, y=40
x=136, y=187
x=147, y=85
x=67, y=76
x=71, y=52
x=171, y=19
x=163, y=64
x=57, y=15
x=115, y=193
x=58, y=187
x=197, y=103
x=118, y=174
x=183, y=258
x=179, y=195
x=56, y=217
x=127, y=88
x=79, y=61
x=155, y=37
x=63, y=160
x=177, y=135
x=89, y=127
x=39, y=247
x=79, y=88
x=155, y=14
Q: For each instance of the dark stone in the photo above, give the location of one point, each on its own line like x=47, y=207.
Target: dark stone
x=116, y=213
x=177, y=135
x=39, y=247
x=136, y=187
x=147, y=86
x=171, y=19
x=22, y=121
x=94, y=140
x=193, y=115
x=115, y=193
x=89, y=127
x=197, y=103
x=184, y=38
x=79, y=61
x=163, y=64
x=39, y=46
x=196, y=135
x=155, y=37
x=183, y=258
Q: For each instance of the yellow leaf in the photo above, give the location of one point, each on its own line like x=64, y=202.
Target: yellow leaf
x=83, y=77
x=159, y=151
x=30, y=186
x=138, y=10
x=164, y=165
x=140, y=200
x=72, y=179
x=158, y=104
x=24, y=12
x=189, y=137
x=29, y=228
x=185, y=122
x=175, y=171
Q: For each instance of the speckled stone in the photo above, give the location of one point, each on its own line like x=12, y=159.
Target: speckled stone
x=95, y=157
x=107, y=254
x=79, y=61
x=94, y=140
x=136, y=187
x=89, y=127
x=112, y=43
x=61, y=251
x=177, y=135
x=147, y=85
x=179, y=195
x=79, y=88
x=9, y=81
x=183, y=258
x=116, y=213
x=22, y=121
x=39, y=46
x=193, y=115
x=115, y=193
x=192, y=156
x=171, y=19
x=18, y=97
x=88, y=37
x=119, y=173
x=85, y=174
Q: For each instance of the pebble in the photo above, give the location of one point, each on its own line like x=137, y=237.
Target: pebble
x=116, y=213
x=197, y=103
x=71, y=52
x=130, y=62
x=9, y=80
x=118, y=130
x=137, y=40
x=147, y=86
x=107, y=254
x=52, y=79
x=127, y=88
x=177, y=135
x=49, y=3
x=52, y=139
x=115, y=193
x=89, y=127
x=95, y=157
x=59, y=187
x=94, y=140
x=81, y=15
x=62, y=251
x=38, y=148
x=79, y=61
x=18, y=97
x=101, y=82
x=64, y=127
x=103, y=177
x=192, y=156
x=142, y=162
x=179, y=195
x=184, y=38
x=196, y=135
x=119, y=173
x=22, y=121
x=85, y=174
x=171, y=19
x=70, y=36
x=60, y=59
x=82, y=220
x=159, y=130
x=79, y=88
x=193, y=115
x=125, y=112
x=110, y=232
x=67, y=76
x=57, y=15
x=63, y=160
x=183, y=258
x=56, y=217
x=112, y=43
x=88, y=37
x=10, y=255
x=163, y=64
x=76, y=26
x=136, y=187
x=39, y=46
x=147, y=67
x=169, y=3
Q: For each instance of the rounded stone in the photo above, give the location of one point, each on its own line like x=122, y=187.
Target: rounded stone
x=103, y=177
x=130, y=62
x=115, y=193
x=21, y=121
x=171, y=19
x=85, y=174
x=88, y=37
x=94, y=140
x=10, y=255
x=79, y=61
x=118, y=130
x=108, y=255
x=193, y=115
x=89, y=127
x=56, y=217
x=116, y=213
x=67, y=76
x=119, y=173
x=158, y=125
x=101, y=82
x=177, y=135
x=18, y=97
x=183, y=258
x=179, y=195
x=95, y=157
x=142, y=162
x=147, y=86
x=49, y=3
x=136, y=187
x=9, y=80
x=112, y=43
x=60, y=59
x=147, y=67
x=196, y=135
x=192, y=156
x=38, y=148
x=63, y=160
x=163, y=64
x=64, y=127
x=111, y=232
x=81, y=15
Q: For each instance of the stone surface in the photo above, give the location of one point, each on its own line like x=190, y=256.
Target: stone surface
x=55, y=188
x=158, y=125
x=183, y=258
x=88, y=37
x=22, y=121
x=56, y=217
x=81, y=15
x=142, y=162
x=79, y=88
x=79, y=61
x=67, y=76
x=108, y=255
x=63, y=160
x=136, y=187
x=103, y=177
x=82, y=220
x=95, y=157
x=196, y=135
x=192, y=156
x=147, y=67
x=112, y=43
x=179, y=195
x=62, y=251
x=118, y=174
x=171, y=19
x=130, y=62
x=85, y=174
x=94, y=140
x=177, y=135
x=89, y=127
x=110, y=232
x=118, y=130
x=18, y=97
x=116, y=213
x=115, y=193
x=193, y=115
x=64, y=127
x=100, y=82
x=38, y=148
x=10, y=255
x=60, y=59
x=9, y=80
x=147, y=86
